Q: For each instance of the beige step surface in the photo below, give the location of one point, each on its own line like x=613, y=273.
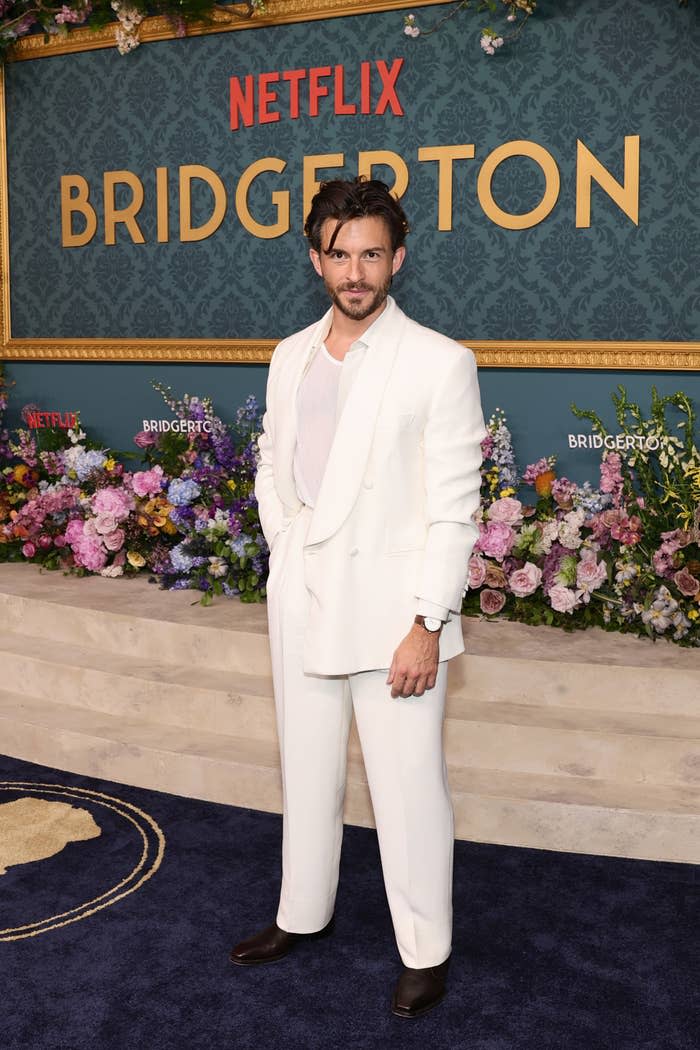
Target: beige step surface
x=229, y=702
x=585, y=742
x=490, y=806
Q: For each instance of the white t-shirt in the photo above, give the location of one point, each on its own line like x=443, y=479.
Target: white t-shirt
x=317, y=404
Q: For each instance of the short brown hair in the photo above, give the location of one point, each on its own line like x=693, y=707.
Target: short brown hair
x=357, y=198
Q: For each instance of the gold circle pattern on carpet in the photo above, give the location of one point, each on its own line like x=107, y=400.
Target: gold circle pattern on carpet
x=153, y=848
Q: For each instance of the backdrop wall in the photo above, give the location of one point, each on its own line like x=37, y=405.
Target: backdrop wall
x=607, y=75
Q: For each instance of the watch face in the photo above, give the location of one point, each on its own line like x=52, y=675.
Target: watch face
x=431, y=624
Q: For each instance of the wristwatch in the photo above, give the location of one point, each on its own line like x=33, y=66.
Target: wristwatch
x=431, y=624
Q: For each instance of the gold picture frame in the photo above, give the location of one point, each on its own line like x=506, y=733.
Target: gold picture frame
x=573, y=354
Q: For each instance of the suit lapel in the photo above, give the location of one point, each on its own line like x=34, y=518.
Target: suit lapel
x=355, y=431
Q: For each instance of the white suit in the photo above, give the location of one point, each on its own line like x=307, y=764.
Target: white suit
x=391, y=530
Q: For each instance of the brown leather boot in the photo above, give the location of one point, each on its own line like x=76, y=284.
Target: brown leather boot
x=419, y=990
x=272, y=944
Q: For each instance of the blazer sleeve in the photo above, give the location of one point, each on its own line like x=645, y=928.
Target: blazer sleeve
x=452, y=459
x=270, y=506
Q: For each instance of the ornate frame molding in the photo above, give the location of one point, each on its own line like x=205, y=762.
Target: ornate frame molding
x=575, y=354
x=159, y=28
x=637, y=356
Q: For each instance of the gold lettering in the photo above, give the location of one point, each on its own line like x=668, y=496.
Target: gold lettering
x=280, y=199
x=188, y=172
x=518, y=148
x=162, y=206
x=80, y=203
x=366, y=161
x=445, y=155
x=127, y=215
x=626, y=196
x=312, y=164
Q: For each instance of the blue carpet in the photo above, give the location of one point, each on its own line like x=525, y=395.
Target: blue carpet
x=551, y=950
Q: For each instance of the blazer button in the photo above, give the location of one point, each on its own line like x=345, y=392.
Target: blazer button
x=354, y=551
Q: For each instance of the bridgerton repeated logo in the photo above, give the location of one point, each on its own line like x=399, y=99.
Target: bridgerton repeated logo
x=616, y=442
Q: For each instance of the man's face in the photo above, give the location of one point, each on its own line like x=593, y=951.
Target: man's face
x=358, y=269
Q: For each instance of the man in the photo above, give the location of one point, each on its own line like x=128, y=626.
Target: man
x=367, y=481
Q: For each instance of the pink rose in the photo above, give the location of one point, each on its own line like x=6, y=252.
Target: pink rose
x=495, y=575
x=562, y=598
x=59, y=541
x=590, y=574
x=114, y=540
x=90, y=529
x=686, y=583
x=477, y=571
x=45, y=542
x=525, y=581
x=507, y=510
x=105, y=523
x=148, y=482
x=29, y=550
x=113, y=502
x=491, y=602
x=496, y=540
x=144, y=438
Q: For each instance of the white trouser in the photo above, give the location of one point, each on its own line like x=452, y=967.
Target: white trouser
x=403, y=755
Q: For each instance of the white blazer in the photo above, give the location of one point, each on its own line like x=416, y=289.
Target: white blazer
x=393, y=519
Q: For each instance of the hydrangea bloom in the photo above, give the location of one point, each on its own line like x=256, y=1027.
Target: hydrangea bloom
x=182, y=491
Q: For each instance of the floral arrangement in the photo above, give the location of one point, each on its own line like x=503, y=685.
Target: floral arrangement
x=189, y=517
x=624, y=556
x=19, y=17
x=207, y=477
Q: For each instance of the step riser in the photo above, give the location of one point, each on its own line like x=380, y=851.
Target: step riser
x=206, y=647
x=545, y=683
x=232, y=713
x=665, y=690
x=531, y=749
x=516, y=748
x=577, y=829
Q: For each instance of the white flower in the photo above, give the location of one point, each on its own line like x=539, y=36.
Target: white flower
x=112, y=571
x=217, y=566
x=511, y=18
x=497, y=41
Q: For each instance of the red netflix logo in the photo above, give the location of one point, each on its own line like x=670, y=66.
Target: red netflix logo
x=257, y=99
x=37, y=420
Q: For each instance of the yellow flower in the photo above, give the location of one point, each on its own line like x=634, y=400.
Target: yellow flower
x=231, y=484
x=170, y=528
x=509, y=491
x=159, y=521
x=693, y=614
x=110, y=463
x=136, y=560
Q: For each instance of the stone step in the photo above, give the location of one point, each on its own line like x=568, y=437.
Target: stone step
x=540, y=811
x=504, y=662
x=133, y=618
x=499, y=735
x=229, y=702
x=494, y=669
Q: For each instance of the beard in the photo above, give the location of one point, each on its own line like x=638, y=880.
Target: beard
x=358, y=311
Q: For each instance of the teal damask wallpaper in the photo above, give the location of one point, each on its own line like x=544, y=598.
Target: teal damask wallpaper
x=590, y=70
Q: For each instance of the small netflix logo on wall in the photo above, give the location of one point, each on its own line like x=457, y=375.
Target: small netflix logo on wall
x=37, y=419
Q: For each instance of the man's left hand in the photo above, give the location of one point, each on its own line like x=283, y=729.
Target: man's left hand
x=415, y=663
